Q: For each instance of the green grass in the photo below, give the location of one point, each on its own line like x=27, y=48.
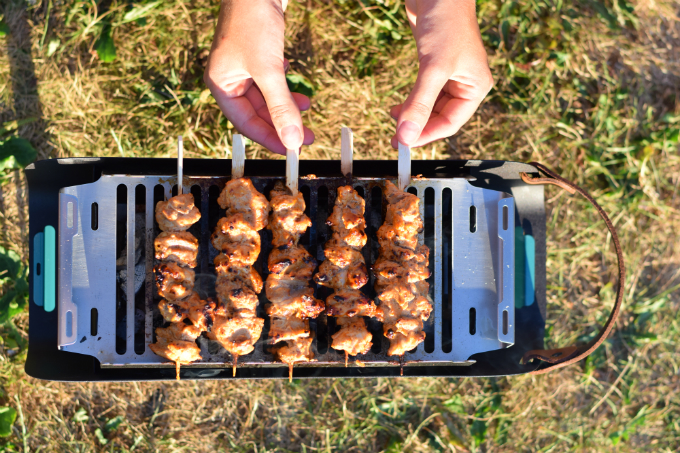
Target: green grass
x=589, y=88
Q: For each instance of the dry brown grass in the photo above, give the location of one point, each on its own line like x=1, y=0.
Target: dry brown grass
x=600, y=116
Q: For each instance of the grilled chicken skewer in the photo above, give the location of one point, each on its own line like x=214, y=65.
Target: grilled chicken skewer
x=401, y=271
x=345, y=271
x=177, y=250
x=288, y=289
x=236, y=325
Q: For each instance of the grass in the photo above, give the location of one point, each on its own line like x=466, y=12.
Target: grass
x=588, y=87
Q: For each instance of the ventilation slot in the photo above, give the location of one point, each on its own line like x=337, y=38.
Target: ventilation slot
x=473, y=219
x=505, y=322
x=121, y=253
x=428, y=234
x=505, y=218
x=94, y=319
x=473, y=321
x=447, y=265
x=139, y=269
x=324, y=324
x=94, y=217
x=374, y=219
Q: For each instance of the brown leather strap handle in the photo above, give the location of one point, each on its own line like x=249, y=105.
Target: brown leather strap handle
x=561, y=357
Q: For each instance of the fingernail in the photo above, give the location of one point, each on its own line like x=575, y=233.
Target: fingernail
x=408, y=132
x=290, y=136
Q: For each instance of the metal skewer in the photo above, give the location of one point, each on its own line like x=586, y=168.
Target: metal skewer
x=346, y=152
x=404, y=166
x=180, y=169
x=238, y=157
x=292, y=169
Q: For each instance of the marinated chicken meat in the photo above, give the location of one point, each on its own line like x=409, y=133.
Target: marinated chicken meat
x=235, y=237
x=180, y=247
x=199, y=312
x=177, y=250
x=239, y=196
x=235, y=324
x=174, y=281
x=400, y=271
x=177, y=214
x=345, y=271
x=292, y=301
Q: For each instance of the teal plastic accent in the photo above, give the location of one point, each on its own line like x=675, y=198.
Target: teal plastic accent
x=38, y=269
x=519, y=267
x=50, y=269
x=530, y=270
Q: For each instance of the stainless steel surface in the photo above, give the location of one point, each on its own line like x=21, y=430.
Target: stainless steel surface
x=482, y=276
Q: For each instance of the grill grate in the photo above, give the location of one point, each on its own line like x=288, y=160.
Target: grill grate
x=106, y=314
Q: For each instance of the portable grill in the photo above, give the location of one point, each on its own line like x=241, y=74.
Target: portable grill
x=93, y=312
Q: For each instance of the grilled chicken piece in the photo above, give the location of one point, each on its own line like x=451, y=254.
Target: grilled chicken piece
x=347, y=219
x=177, y=214
x=235, y=238
x=400, y=272
x=237, y=335
x=240, y=196
x=291, y=262
x=180, y=247
x=288, y=220
x=350, y=303
x=173, y=281
x=177, y=343
x=199, y=312
x=288, y=328
x=298, y=350
x=354, y=275
x=353, y=336
x=232, y=271
x=291, y=297
x=241, y=301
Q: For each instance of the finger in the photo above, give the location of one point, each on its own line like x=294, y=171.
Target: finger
x=442, y=99
x=395, y=111
x=257, y=100
x=417, y=108
x=285, y=114
x=453, y=116
x=309, y=136
x=246, y=120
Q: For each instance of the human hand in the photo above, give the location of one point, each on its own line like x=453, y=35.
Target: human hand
x=246, y=74
x=453, y=75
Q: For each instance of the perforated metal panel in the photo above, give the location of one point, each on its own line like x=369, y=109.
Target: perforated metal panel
x=471, y=287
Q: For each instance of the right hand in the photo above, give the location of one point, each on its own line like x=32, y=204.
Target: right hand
x=246, y=74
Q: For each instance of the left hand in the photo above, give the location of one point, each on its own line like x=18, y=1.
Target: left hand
x=453, y=75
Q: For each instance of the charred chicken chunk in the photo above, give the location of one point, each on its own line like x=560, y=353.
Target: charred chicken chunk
x=239, y=196
x=173, y=281
x=177, y=214
x=180, y=247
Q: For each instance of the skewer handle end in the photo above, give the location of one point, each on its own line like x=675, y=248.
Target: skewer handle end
x=180, y=164
x=404, y=166
x=346, y=151
x=292, y=170
x=238, y=157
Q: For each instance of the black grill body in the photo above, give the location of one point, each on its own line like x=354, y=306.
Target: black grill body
x=46, y=178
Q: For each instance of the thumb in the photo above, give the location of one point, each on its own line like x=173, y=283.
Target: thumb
x=416, y=110
x=282, y=108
